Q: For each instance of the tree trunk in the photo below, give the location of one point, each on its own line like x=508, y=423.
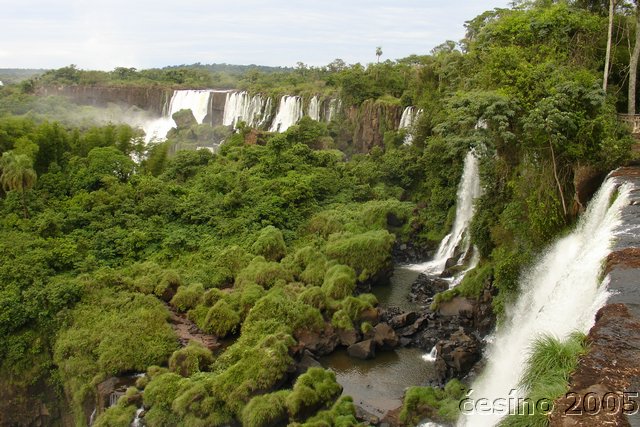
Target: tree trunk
x=24, y=205
x=607, y=59
x=633, y=67
x=555, y=175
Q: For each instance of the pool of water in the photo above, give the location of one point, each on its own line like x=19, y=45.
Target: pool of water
x=378, y=385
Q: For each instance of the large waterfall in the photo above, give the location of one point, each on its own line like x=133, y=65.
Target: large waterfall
x=198, y=101
x=239, y=106
x=468, y=190
x=559, y=295
x=289, y=112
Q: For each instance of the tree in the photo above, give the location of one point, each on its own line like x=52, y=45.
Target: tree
x=609, y=41
x=17, y=175
x=378, y=53
x=633, y=66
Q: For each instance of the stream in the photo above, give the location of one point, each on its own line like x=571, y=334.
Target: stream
x=377, y=385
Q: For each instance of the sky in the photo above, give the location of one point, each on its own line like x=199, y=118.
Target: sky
x=104, y=34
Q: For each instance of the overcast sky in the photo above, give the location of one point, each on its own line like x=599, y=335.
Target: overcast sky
x=103, y=34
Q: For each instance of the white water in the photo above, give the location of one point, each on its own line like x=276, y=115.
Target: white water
x=136, y=419
x=252, y=110
x=314, y=109
x=431, y=356
x=468, y=190
x=289, y=112
x=334, y=107
x=408, y=118
x=560, y=294
x=195, y=100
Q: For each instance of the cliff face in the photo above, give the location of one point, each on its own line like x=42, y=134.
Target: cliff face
x=150, y=98
x=371, y=120
x=609, y=375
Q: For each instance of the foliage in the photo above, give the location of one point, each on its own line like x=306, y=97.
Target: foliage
x=435, y=403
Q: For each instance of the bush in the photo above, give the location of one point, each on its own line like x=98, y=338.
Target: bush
x=434, y=403
x=187, y=297
x=313, y=296
x=190, y=359
x=221, y=319
x=368, y=253
x=313, y=390
x=266, y=410
x=270, y=244
x=339, y=282
x=264, y=273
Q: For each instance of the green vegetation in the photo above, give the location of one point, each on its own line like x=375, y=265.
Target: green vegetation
x=546, y=378
x=263, y=240
x=422, y=402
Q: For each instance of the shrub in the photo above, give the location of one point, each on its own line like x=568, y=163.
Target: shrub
x=339, y=282
x=190, y=359
x=270, y=244
x=313, y=296
x=221, y=319
x=313, y=390
x=422, y=402
x=187, y=297
x=368, y=253
x=264, y=273
x=266, y=410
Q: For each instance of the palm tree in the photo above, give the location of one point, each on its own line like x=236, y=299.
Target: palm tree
x=17, y=175
x=379, y=53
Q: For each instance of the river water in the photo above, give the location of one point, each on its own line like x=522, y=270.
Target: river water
x=378, y=385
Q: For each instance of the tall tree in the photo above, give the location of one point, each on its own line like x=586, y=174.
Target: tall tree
x=633, y=66
x=379, y=53
x=609, y=42
x=17, y=175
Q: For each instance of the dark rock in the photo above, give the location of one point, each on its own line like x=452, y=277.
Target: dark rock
x=362, y=350
x=319, y=343
x=385, y=337
x=307, y=361
x=363, y=415
x=403, y=319
x=425, y=287
x=459, y=353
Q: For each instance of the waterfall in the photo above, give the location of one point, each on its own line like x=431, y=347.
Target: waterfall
x=468, y=190
x=289, y=112
x=314, y=108
x=431, y=356
x=560, y=294
x=239, y=106
x=408, y=118
x=334, y=107
x=198, y=101
x=137, y=419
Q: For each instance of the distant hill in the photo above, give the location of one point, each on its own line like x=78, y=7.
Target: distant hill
x=232, y=68
x=16, y=75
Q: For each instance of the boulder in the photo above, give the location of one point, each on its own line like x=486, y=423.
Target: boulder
x=319, y=343
x=362, y=350
x=347, y=337
x=403, y=319
x=370, y=315
x=385, y=337
x=459, y=353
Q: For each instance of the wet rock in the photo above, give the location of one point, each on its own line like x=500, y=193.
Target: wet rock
x=319, y=343
x=385, y=337
x=363, y=350
x=347, y=337
x=366, y=417
x=425, y=287
x=609, y=368
x=458, y=306
x=187, y=331
x=306, y=361
x=459, y=353
x=418, y=325
x=403, y=319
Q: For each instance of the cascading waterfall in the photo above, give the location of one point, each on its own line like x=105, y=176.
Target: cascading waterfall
x=560, y=294
x=334, y=107
x=314, y=108
x=198, y=101
x=408, y=118
x=468, y=190
x=239, y=106
x=289, y=112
